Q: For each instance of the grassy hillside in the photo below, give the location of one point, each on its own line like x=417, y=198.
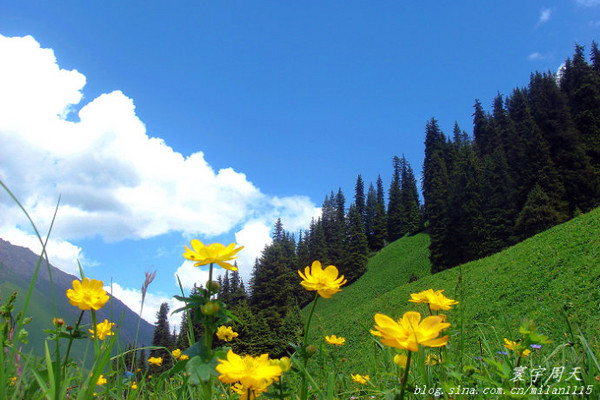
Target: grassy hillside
x=545, y=278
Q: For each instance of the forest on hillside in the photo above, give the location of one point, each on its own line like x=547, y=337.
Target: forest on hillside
x=532, y=162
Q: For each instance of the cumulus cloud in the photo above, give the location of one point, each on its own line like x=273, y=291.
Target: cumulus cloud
x=132, y=298
x=116, y=181
x=545, y=15
x=61, y=253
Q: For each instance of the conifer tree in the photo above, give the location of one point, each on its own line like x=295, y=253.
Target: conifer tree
x=537, y=214
x=370, y=215
x=162, y=338
x=380, y=221
x=359, y=197
x=411, y=205
x=355, y=262
x=396, y=224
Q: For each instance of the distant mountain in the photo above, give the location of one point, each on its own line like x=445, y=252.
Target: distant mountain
x=17, y=265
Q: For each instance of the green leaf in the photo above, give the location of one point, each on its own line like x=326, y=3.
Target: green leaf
x=201, y=371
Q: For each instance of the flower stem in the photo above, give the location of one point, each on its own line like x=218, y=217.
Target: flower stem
x=304, y=387
x=405, y=378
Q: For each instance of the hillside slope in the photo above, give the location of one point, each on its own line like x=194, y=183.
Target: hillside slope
x=17, y=265
x=544, y=278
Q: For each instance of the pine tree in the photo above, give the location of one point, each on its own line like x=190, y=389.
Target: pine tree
x=550, y=111
x=537, y=215
x=380, y=221
x=359, y=197
x=409, y=195
x=355, y=262
x=370, y=215
x=162, y=338
x=396, y=224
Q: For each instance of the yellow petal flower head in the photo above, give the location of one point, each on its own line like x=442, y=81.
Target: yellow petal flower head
x=155, y=361
x=435, y=299
x=103, y=329
x=101, y=380
x=410, y=331
x=226, y=333
x=247, y=394
x=176, y=353
x=400, y=360
x=509, y=344
x=134, y=385
x=213, y=253
x=432, y=359
x=360, y=379
x=87, y=294
x=325, y=281
x=338, y=341
x=184, y=357
x=253, y=373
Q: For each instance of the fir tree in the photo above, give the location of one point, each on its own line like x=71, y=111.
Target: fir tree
x=359, y=197
x=396, y=224
x=537, y=215
x=356, y=255
x=162, y=338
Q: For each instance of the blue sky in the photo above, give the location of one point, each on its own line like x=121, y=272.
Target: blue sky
x=160, y=122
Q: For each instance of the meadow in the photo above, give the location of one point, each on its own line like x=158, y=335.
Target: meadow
x=523, y=323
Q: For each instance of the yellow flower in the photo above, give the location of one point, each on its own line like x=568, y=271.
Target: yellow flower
x=432, y=359
x=213, y=253
x=101, y=380
x=284, y=362
x=253, y=373
x=134, y=385
x=325, y=282
x=435, y=299
x=400, y=360
x=183, y=357
x=247, y=394
x=155, y=361
x=338, y=341
x=87, y=294
x=226, y=333
x=509, y=344
x=360, y=379
x=410, y=331
x=13, y=380
x=525, y=353
x=103, y=329
x=176, y=353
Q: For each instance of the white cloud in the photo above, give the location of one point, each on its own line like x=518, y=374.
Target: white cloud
x=254, y=237
x=61, y=254
x=545, y=15
x=535, y=56
x=588, y=3
x=190, y=275
x=115, y=180
x=132, y=298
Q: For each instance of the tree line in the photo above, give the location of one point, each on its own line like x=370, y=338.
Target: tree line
x=533, y=162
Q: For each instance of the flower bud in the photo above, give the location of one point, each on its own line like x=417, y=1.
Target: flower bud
x=58, y=321
x=210, y=308
x=311, y=349
x=213, y=286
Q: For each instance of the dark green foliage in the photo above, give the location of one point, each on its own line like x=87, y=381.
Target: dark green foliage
x=380, y=220
x=359, y=196
x=355, y=262
x=162, y=338
x=537, y=214
x=409, y=196
x=396, y=224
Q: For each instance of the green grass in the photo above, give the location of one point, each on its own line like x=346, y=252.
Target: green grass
x=545, y=278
